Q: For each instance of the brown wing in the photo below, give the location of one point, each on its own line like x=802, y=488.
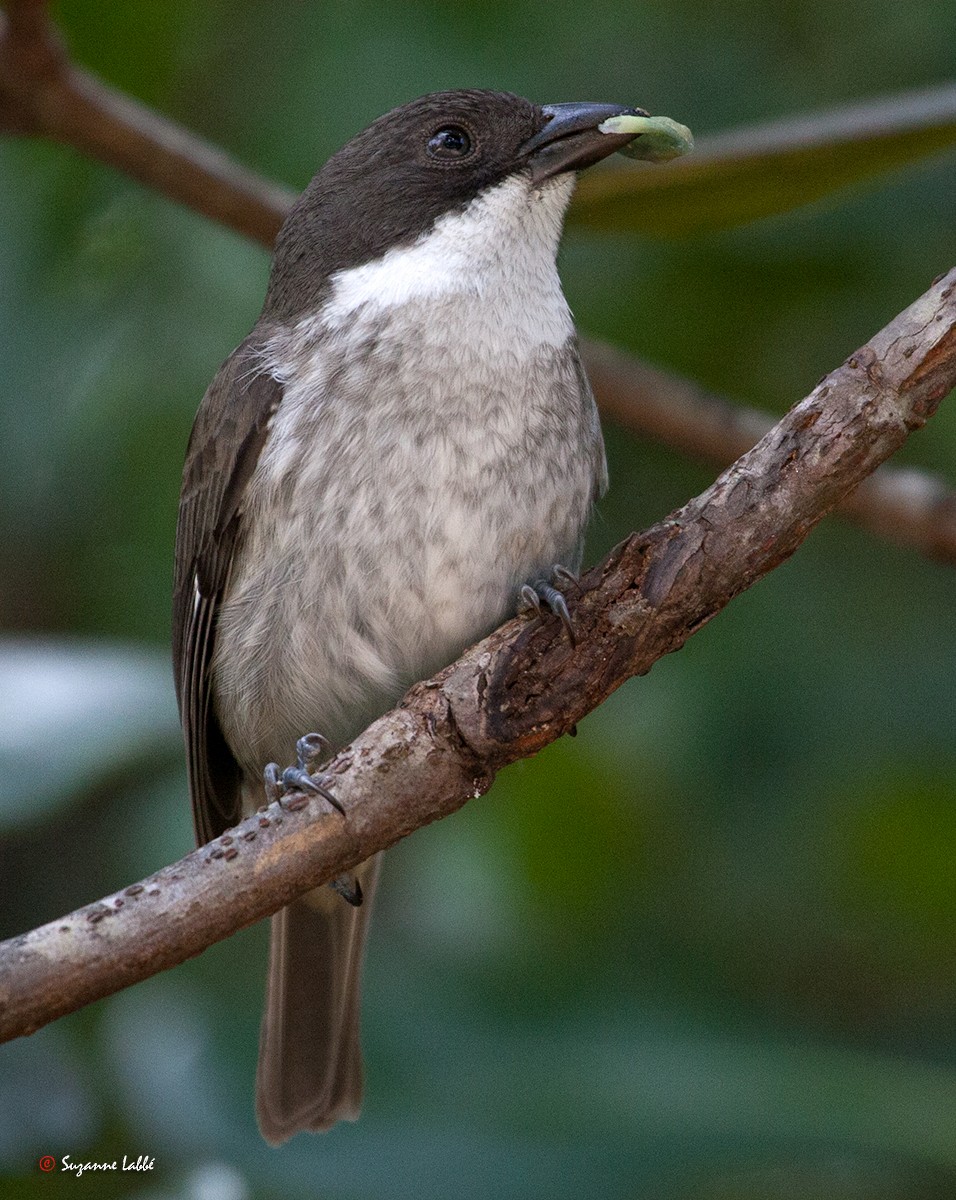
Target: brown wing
x=225, y=444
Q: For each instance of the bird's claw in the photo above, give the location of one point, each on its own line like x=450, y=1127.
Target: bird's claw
x=272, y=779
x=279, y=783
x=311, y=747
x=349, y=888
x=542, y=595
x=566, y=576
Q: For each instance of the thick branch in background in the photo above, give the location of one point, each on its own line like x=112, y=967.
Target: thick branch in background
x=903, y=505
x=513, y=693
x=43, y=94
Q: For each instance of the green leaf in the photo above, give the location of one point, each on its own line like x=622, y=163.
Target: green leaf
x=747, y=174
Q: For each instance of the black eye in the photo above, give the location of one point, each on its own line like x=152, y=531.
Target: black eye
x=449, y=143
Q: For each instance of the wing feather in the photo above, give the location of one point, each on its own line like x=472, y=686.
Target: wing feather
x=230, y=431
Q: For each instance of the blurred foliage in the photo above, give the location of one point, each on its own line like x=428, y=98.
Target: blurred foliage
x=706, y=950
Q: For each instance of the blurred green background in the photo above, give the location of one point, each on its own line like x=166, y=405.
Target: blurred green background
x=706, y=950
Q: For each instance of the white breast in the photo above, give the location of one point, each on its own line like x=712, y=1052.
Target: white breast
x=500, y=250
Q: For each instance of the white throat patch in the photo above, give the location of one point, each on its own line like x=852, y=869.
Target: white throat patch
x=499, y=251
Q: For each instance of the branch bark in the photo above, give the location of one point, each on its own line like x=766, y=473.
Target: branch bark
x=513, y=693
x=43, y=94
x=908, y=507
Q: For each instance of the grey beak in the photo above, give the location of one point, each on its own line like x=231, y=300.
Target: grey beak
x=571, y=140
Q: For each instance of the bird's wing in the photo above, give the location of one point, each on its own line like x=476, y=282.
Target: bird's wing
x=230, y=430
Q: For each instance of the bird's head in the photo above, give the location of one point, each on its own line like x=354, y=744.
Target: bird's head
x=389, y=185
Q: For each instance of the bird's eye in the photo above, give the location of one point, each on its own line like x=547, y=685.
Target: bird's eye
x=449, y=143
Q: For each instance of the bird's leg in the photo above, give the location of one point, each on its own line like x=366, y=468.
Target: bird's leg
x=542, y=594
x=309, y=749
x=299, y=778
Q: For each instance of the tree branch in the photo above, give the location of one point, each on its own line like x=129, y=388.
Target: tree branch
x=43, y=94
x=903, y=505
x=513, y=693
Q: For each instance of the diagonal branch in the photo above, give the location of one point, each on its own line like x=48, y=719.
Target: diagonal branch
x=513, y=693
x=903, y=505
x=42, y=93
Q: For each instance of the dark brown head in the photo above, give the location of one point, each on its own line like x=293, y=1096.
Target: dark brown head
x=390, y=183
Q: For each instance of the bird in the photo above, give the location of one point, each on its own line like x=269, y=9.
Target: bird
x=392, y=462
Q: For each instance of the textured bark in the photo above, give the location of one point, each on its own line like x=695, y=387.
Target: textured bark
x=516, y=691
x=903, y=505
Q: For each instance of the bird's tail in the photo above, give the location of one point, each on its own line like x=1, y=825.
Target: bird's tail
x=310, y=1060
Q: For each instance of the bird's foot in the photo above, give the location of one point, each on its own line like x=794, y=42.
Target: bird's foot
x=349, y=888
x=309, y=750
x=279, y=783
x=542, y=594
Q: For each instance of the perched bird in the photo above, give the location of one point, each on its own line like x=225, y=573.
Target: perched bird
x=404, y=442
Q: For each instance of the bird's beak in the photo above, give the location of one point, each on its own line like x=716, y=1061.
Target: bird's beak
x=571, y=140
